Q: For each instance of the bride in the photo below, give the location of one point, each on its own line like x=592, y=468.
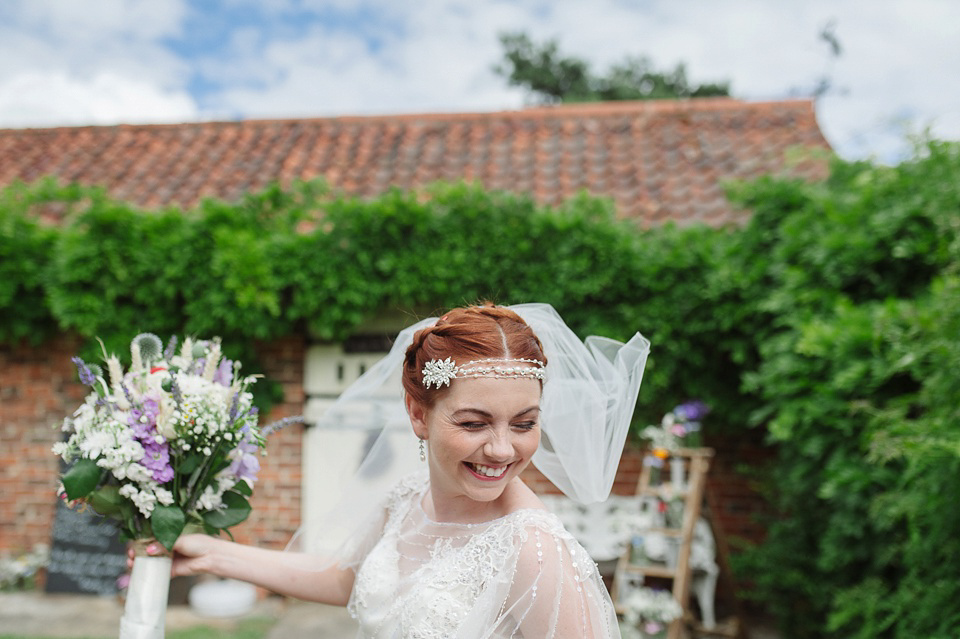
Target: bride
x=464, y=548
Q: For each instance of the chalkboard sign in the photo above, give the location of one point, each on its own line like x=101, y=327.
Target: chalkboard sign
x=86, y=555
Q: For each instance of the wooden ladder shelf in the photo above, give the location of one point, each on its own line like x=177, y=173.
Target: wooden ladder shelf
x=696, y=462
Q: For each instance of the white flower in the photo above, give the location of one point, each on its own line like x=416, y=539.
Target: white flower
x=95, y=442
x=210, y=499
x=138, y=473
x=145, y=502
x=164, y=496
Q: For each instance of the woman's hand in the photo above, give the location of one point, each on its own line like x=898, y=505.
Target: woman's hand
x=192, y=554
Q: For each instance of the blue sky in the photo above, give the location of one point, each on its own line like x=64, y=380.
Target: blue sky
x=77, y=62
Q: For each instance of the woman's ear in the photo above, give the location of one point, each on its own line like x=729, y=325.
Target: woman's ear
x=418, y=416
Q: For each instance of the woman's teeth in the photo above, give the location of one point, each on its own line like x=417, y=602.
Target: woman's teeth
x=488, y=471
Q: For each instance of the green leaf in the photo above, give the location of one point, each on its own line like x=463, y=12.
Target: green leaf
x=190, y=464
x=235, y=509
x=167, y=523
x=243, y=488
x=107, y=500
x=81, y=479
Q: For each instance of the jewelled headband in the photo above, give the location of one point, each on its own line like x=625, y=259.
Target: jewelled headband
x=441, y=371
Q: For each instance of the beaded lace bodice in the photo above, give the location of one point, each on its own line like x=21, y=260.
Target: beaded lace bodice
x=521, y=575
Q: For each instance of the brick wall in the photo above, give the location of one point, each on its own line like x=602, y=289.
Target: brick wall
x=38, y=388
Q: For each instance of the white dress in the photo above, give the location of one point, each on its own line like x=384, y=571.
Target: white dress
x=521, y=575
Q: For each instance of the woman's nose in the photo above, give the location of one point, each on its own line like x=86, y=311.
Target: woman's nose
x=498, y=447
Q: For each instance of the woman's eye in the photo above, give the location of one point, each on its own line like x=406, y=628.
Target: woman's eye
x=525, y=425
x=472, y=425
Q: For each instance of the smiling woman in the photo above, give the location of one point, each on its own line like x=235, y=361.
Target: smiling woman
x=483, y=429
x=464, y=548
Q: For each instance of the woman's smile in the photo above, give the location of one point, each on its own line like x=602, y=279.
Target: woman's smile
x=486, y=473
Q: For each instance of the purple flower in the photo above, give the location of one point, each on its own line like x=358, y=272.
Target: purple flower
x=86, y=377
x=224, y=373
x=144, y=429
x=691, y=411
x=246, y=465
x=156, y=458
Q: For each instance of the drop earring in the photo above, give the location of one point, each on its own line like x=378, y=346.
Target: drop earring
x=423, y=451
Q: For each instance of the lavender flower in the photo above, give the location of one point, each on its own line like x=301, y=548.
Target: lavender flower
x=273, y=427
x=127, y=394
x=175, y=391
x=86, y=376
x=171, y=348
x=234, y=407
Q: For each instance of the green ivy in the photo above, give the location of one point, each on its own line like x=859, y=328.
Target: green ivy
x=856, y=381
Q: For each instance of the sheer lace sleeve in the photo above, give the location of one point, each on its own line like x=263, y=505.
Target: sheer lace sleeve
x=361, y=542
x=556, y=591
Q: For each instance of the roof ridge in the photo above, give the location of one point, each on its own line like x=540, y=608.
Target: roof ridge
x=565, y=110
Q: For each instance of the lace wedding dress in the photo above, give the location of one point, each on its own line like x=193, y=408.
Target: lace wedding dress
x=521, y=575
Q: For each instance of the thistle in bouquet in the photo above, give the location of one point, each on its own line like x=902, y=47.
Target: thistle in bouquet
x=170, y=443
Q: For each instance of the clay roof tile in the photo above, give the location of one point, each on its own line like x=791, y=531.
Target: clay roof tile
x=658, y=160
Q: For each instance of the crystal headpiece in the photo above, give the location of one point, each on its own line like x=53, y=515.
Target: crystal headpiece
x=441, y=371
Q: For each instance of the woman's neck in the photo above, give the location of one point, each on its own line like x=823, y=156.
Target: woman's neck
x=459, y=509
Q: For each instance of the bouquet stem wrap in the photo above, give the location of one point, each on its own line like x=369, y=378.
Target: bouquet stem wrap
x=146, y=605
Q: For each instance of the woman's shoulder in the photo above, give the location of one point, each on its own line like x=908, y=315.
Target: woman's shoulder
x=406, y=489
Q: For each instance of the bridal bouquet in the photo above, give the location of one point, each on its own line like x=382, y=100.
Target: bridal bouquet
x=168, y=445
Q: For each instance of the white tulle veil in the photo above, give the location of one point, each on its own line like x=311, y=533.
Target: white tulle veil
x=588, y=401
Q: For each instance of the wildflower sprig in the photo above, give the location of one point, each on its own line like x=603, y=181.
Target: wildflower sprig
x=171, y=442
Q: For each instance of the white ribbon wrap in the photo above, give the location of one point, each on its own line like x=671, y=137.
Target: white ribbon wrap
x=146, y=606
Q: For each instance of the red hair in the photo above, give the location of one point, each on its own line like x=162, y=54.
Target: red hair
x=464, y=334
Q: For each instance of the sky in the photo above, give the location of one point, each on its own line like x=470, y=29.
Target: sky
x=103, y=62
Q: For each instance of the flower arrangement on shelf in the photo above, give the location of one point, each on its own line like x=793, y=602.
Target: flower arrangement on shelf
x=170, y=444
x=679, y=428
x=648, y=613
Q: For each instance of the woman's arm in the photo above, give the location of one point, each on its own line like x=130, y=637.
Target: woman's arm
x=291, y=574
x=557, y=592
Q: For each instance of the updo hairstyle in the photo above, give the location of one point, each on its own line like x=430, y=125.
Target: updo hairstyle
x=465, y=334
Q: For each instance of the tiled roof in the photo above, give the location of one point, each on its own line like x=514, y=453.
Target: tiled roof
x=658, y=160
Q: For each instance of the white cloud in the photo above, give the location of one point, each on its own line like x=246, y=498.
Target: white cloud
x=46, y=99
x=380, y=56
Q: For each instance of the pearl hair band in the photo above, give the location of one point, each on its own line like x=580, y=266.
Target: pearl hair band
x=441, y=371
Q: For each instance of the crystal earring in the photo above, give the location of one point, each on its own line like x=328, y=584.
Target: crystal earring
x=423, y=452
